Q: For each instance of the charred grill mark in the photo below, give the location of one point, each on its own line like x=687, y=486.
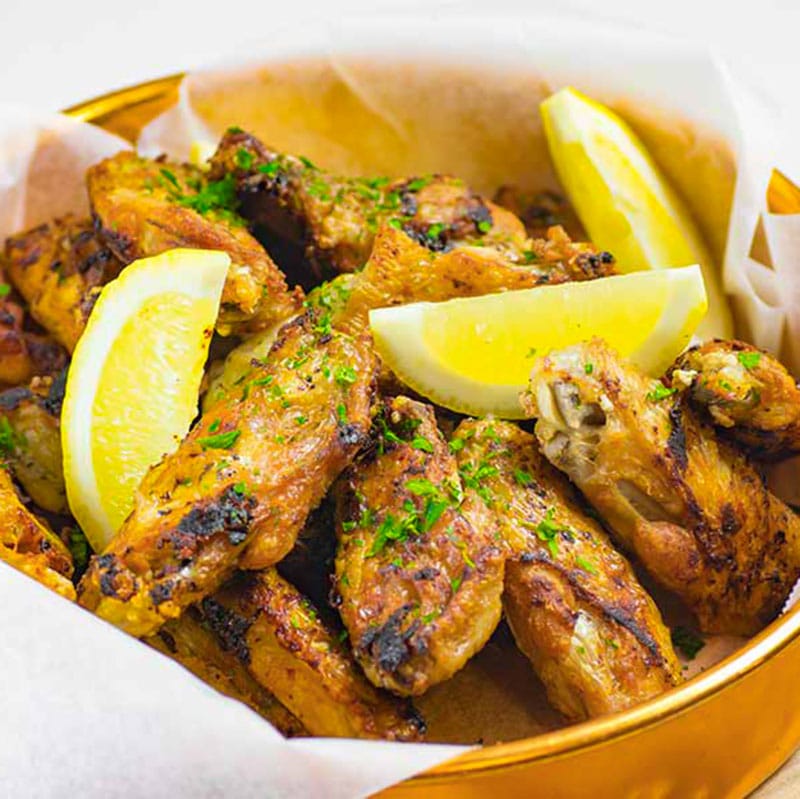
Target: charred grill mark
x=352, y=435
x=387, y=643
x=12, y=398
x=162, y=592
x=676, y=442
x=230, y=513
x=229, y=627
x=730, y=522
x=55, y=396
x=110, y=573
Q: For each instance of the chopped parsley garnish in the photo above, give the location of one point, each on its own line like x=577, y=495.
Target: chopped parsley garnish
x=687, y=642
x=9, y=438
x=588, y=368
x=523, y=478
x=547, y=530
x=422, y=443
x=396, y=223
x=4, y=289
x=345, y=375
x=244, y=159
x=660, y=392
x=586, y=565
x=271, y=169
x=749, y=359
x=435, y=230
x=169, y=176
x=418, y=183
x=220, y=441
x=241, y=489
x=301, y=419
x=349, y=526
x=456, y=444
x=485, y=225
x=306, y=162
x=214, y=426
x=79, y=549
x=341, y=413
x=455, y=583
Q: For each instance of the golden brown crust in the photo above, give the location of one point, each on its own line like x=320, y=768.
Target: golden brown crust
x=28, y=544
x=143, y=207
x=189, y=642
x=419, y=567
x=747, y=393
x=241, y=484
x=278, y=635
x=58, y=268
x=691, y=508
x=594, y=636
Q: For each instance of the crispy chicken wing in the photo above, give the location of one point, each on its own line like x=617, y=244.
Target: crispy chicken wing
x=747, y=393
x=144, y=207
x=278, y=635
x=28, y=544
x=188, y=641
x=59, y=268
x=335, y=219
x=400, y=271
x=577, y=611
x=30, y=438
x=241, y=484
x=419, y=568
x=694, y=512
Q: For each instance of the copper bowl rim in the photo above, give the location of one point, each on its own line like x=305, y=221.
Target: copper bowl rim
x=574, y=739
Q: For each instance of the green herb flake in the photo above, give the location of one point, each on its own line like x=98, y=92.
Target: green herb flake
x=547, y=530
x=455, y=584
x=522, y=478
x=9, y=438
x=434, y=231
x=660, y=392
x=456, y=444
x=345, y=375
x=301, y=419
x=348, y=526
x=422, y=443
x=341, y=413
x=418, y=183
x=241, y=489
x=687, y=642
x=220, y=441
x=588, y=368
x=214, y=426
x=749, y=359
x=79, y=549
x=244, y=159
x=4, y=289
x=531, y=353
x=485, y=225
x=585, y=565
x=271, y=169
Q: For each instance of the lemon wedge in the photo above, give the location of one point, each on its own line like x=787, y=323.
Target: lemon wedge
x=474, y=355
x=134, y=380
x=623, y=200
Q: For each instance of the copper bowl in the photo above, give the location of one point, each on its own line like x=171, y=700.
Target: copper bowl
x=720, y=734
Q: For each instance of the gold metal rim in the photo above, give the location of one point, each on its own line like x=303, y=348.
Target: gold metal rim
x=548, y=746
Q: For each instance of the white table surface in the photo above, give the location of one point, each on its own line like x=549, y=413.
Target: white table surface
x=56, y=54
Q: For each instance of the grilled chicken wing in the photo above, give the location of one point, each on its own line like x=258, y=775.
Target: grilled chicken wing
x=30, y=437
x=188, y=641
x=277, y=634
x=241, y=484
x=28, y=544
x=335, y=219
x=400, y=271
x=747, y=393
x=539, y=211
x=692, y=509
x=144, y=207
x=419, y=572
x=59, y=268
x=575, y=607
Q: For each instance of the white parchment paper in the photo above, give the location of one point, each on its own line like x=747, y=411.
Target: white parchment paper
x=87, y=711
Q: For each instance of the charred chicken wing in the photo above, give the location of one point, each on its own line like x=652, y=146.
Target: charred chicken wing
x=577, y=611
x=143, y=207
x=241, y=484
x=59, y=268
x=284, y=643
x=691, y=508
x=419, y=567
x=747, y=394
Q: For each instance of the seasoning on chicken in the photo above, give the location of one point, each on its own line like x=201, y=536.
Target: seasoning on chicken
x=58, y=268
x=748, y=394
x=278, y=635
x=593, y=635
x=419, y=568
x=241, y=484
x=30, y=439
x=29, y=545
x=691, y=508
x=143, y=207
x=188, y=641
x=334, y=220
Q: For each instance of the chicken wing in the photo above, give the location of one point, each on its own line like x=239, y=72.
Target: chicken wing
x=419, y=568
x=400, y=271
x=241, y=484
x=334, y=220
x=28, y=544
x=540, y=210
x=188, y=641
x=747, y=394
x=593, y=635
x=143, y=207
x=30, y=439
x=694, y=512
x=289, y=649
x=59, y=268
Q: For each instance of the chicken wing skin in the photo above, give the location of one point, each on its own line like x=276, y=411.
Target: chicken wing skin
x=278, y=635
x=593, y=635
x=241, y=484
x=690, y=507
x=143, y=207
x=188, y=641
x=30, y=439
x=28, y=544
x=419, y=567
x=747, y=394
x=335, y=219
x=401, y=271
x=58, y=268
